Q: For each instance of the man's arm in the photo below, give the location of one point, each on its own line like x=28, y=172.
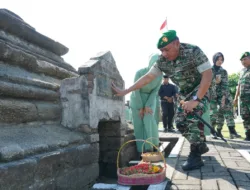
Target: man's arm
x=237, y=95
x=160, y=93
x=143, y=81
x=205, y=83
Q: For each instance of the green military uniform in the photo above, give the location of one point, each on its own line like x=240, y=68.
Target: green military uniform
x=226, y=112
x=244, y=83
x=185, y=71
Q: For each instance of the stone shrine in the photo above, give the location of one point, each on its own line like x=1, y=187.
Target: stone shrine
x=59, y=128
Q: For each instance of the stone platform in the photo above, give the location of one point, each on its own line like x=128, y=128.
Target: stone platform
x=226, y=168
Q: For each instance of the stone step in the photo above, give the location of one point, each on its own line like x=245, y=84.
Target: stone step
x=104, y=186
x=20, y=141
x=177, y=148
x=64, y=168
x=160, y=186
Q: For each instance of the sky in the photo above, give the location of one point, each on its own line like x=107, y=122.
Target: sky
x=130, y=29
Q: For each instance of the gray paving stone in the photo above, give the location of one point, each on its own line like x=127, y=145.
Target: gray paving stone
x=226, y=185
x=179, y=175
x=243, y=188
x=185, y=187
x=235, y=154
x=248, y=175
x=194, y=176
x=209, y=184
x=207, y=169
x=239, y=176
x=215, y=174
x=187, y=182
x=243, y=183
x=233, y=158
x=230, y=163
x=219, y=168
x=243, y=163
x=224, y=154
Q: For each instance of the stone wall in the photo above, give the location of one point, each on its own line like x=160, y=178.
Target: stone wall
x=36, y=152
x=59, y=128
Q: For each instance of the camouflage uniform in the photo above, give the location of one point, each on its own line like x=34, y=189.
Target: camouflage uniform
x=213, y=101
x=185, y=72
x=245, y=99
x=226, y=112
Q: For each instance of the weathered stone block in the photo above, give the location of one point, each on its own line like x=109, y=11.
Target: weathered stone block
x=28, y=92
x=16, y=26
x=111, y=128
x=17, y=175
x=48, y=111
x=78, y=178
x=15, y=111
x=110, y=143
x=10, y=152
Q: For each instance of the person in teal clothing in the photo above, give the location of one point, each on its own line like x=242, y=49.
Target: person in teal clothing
x=157, y=111
x=143, y=105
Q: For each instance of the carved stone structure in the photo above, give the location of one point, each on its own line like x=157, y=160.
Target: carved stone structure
x=89, y=106
x=57, y=126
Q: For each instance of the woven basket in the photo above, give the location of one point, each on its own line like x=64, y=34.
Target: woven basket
x=151, y=156
x=140, y=179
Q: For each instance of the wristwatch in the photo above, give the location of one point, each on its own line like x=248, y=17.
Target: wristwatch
x=195, y=98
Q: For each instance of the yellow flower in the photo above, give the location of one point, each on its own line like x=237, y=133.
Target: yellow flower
x=155, y=169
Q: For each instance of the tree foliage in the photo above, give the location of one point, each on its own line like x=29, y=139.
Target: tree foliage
x=233, y=82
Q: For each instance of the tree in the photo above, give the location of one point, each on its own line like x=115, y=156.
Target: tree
x=233, y=82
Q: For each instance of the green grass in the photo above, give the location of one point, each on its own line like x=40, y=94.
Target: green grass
x=239, y=128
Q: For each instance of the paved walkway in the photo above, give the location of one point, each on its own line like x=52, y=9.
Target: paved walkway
x=225, y=168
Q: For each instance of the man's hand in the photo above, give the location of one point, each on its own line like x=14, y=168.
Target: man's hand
x=141, y=113
x=189, y=106
x=169, y=99
x=223, y=100
x=148, y=110
x=118, y=91
x=218, y=80
x=144, y=80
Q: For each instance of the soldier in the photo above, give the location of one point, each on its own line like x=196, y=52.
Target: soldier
x=189, y=68
x=244, y=91
x=223, y=99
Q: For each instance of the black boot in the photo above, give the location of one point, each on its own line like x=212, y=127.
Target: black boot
x=219, y=133
x=171, y=129
x=233, y=133
x=247, y=136
x=194, y=160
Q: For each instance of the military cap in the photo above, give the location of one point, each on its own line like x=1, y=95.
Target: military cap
x=246, y=54
x=166, y=38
